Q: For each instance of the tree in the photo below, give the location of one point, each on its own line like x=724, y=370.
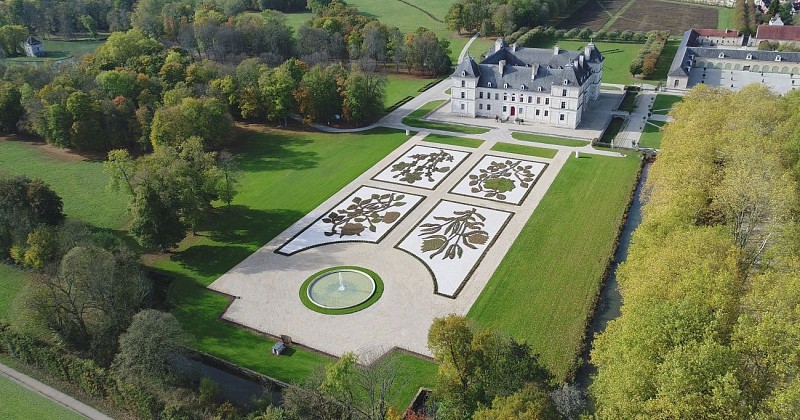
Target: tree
x=364, y=95
x=11, y=39
x=10, y=107
x=206, y=118
x=318, y=95
x=26, y=204
x=530, y=403
x=90, y=300
x=90, y=24
x=278, y=88
x=151, y=349
x=156, y=218
x=229, y=181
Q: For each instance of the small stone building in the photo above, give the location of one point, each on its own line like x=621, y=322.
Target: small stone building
x=34, y=47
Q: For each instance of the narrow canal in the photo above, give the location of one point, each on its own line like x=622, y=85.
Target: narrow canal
x=608, y=308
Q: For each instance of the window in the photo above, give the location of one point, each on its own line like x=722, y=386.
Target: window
x=521, y=110
x=545, y=112
x=513, y=98
x=463, y=83
x=721, y=55
x=537, y=112
x=488, y=84
x=539, y=88
x=504, y=108
x=480, y=95
x=561, y=117
x=480, y=106
x=563, y=92
x=463, y=95
x=521, y=99
x=505, y=97
x=566, y=82
x=488, y=107
x=522, y=87
x=538, y=100
x=462, y=107
x=463, y=74
x=496, y=97
x=563, y=105
x=547, y=101
x=676, y=82
x=749, y=57
x=505, y=85
x=777, y=58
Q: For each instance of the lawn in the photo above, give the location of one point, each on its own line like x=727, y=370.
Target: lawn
x=548, y=140
x=80, y=183
x=18, y=402
x=296, y=20
x=452, y=140
x=479, y=47
x=664, y=103
x=725, y=18
x=59, y=50
x=545, y=287
x=618, y=58
x=651, y=135
x=665, y=60
x=405, y=16
x=12, y=280
x=525, y=150
x=275, y=164
x=401, y=85
x=414, y=119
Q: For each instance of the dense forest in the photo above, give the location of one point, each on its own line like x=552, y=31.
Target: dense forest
x=503, y=16
x=709, y=325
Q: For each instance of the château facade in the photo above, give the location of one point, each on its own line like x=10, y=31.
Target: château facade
x=550, y=86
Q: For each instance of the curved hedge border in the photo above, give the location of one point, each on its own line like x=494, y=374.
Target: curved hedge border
x=363, y=305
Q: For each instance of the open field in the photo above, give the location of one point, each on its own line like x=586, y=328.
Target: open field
x=414, y=119
x=18, y=402
x=80, y=183
x=406, y=17
x=549, y=140
x=452, y=140
x=401, y=85
x=12, y=280
x=479, y=47
x=664, y=103
x=525, y=150
x=725, y=18
x=545, y=286
x=296, y=20
x=593, y=14
x=276, y=164
x=648, y=15
x=652, y=135
x=616, y=67
x=665, y=60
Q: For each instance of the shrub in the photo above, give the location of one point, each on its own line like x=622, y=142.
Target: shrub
x=645, y=62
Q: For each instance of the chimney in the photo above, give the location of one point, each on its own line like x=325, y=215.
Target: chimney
x=499, y=43
x=502, y=64
x=588, y=50
x=556, y=50
x=514, y=47
x=580, y=59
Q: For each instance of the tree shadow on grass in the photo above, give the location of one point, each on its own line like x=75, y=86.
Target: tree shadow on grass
x=274, y=151
x=211, y=260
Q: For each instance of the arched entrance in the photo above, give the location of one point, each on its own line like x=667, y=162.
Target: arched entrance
x=513, y=111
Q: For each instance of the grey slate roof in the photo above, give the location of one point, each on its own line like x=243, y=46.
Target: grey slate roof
x=469, y=67
x=686, y=51
x=531, y=67
x=32, y=41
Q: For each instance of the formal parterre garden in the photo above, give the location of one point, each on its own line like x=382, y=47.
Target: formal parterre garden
x=571, y=235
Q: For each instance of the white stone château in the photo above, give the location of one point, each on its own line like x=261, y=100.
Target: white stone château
x=550, y=86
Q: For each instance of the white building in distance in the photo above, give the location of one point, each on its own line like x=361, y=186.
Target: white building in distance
x=550, y=86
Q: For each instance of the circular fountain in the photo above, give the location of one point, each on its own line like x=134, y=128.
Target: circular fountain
x=340, y=288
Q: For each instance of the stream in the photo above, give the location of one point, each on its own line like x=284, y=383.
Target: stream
x=608, y=308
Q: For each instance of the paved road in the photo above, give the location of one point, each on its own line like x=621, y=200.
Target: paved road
x=52, y=393
x=466, y=47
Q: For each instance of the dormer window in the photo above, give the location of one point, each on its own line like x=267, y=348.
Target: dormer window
x=463, y=73
x=505, y=85
x=749, y=57
x=539, y=88
x=777, y=58
x=721, y=55
x=566, y=82
x=488, y=84
x=522, y=87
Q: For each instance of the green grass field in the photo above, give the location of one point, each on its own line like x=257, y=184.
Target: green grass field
x=296, y=20
x=665, y=60
x=479, y=47
x=544, y=288
x=275, y=165
x=725, y=18
x=652, y=135
x=401, y=85
x=525, y=150
x=414, y=119
x=404, y=16
x=80, y=183
x=12, y=280
x=452, y=140
x=664, y=103
x=548, y=140
x=18, y=402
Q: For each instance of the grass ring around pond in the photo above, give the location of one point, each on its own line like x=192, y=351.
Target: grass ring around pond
x=328, y=279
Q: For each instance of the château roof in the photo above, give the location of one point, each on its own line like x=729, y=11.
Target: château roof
x=780, y=33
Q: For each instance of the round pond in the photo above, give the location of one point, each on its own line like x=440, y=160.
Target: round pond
x=340, y=289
